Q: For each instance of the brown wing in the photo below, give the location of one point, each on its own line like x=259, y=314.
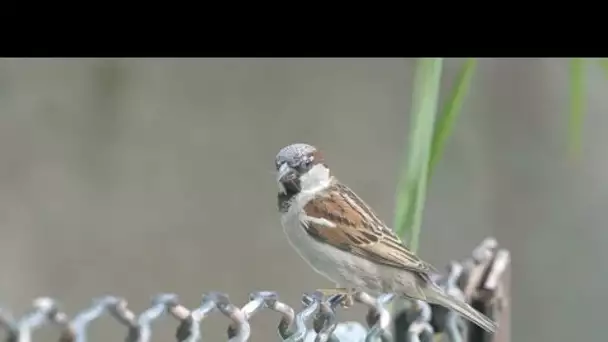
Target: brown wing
x=358, y=230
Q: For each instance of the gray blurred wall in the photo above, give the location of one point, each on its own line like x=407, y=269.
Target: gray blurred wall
x=133, y=177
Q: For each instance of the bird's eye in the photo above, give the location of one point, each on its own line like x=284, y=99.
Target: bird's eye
x=306, y=163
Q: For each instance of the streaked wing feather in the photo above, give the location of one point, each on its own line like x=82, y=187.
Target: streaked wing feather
x=358, y=230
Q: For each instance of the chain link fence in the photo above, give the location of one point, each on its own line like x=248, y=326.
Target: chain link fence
x=478, y=280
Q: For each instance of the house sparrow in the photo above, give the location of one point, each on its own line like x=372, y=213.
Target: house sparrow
x=342, y=238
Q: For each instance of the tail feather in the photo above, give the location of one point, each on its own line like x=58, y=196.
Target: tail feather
x=437, y=296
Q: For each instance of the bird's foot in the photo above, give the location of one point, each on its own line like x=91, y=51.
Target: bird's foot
x=347, y=294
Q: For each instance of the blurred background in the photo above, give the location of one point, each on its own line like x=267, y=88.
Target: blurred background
x=134, y=177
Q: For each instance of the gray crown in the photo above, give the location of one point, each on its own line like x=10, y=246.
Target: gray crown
x=293, y=154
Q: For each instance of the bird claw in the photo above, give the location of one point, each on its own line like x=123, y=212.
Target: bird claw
x=347, y=295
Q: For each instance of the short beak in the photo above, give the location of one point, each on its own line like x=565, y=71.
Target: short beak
x=285, y=173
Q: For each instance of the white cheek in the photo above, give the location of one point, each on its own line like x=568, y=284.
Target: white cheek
x=315, y=179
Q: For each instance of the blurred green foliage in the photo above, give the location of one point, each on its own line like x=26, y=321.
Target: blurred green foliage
x=430, y=130
x=428, y=135
x=577, y=103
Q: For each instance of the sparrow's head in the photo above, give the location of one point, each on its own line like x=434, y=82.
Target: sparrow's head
x=300, y=167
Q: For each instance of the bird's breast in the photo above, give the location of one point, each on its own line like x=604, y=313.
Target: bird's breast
x=318, y=256
x=336, y=265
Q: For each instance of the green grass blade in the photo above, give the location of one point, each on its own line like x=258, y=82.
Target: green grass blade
x=604, y=65
x=577, y=103
x=413, y=178
x=450, y=111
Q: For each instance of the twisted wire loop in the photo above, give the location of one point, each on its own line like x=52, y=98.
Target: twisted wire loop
x=75, y=330
x=311, y=305
x=189, y=327
x=378, y=315
x=325, y=323
x=421, y=330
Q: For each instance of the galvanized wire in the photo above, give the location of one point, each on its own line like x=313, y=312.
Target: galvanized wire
x=292, y=327
x=417, y=323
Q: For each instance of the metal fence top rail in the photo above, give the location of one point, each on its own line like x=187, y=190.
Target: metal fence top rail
x=471, y=279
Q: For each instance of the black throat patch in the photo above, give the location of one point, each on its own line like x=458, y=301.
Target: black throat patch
x=284, y=200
